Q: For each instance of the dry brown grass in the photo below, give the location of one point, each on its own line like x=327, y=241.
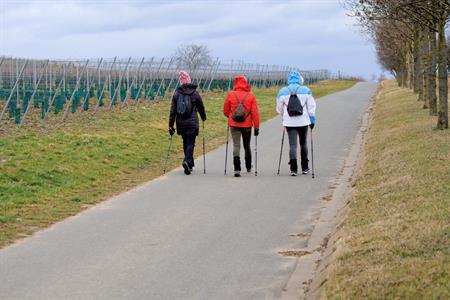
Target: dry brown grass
x=395, y=241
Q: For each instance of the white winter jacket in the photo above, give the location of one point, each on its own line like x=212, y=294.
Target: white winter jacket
x=307, y=101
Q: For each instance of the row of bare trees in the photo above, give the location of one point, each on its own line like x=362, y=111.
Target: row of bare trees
x=410, y=41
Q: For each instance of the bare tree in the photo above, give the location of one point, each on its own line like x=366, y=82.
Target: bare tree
x=409, y=36
x=193, y=57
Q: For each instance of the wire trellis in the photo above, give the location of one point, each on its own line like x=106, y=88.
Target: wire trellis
x=58, y=88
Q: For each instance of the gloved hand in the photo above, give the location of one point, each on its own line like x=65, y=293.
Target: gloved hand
x=204, y=119
x=256, y=131
x=313, y=121
x=171, y=130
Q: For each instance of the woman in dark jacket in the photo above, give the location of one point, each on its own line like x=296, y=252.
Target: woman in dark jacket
x=187, y=124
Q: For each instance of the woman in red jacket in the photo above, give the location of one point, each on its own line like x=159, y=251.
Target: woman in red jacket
x=241, y=109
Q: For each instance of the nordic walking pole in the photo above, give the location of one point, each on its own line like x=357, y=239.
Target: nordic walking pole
x=312, y=155
x=204, y=155
x=281, y=151
x=226, y=151
x=168, y=151
x=256, y=155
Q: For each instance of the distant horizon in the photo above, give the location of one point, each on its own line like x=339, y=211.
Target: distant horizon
x=324, y=38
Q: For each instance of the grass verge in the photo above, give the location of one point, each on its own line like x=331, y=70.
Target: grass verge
x=395, y=240
x=48, y=174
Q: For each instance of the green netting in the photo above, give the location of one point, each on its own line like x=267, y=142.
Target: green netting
x=60, y=100
x=135, y=93
x=113, y=98
x=123, y=93
x=86, y=103
x=44, y=106
x=101, y=99
x=150, y=94
x=26, y=100
x=17, y=116
x=92, y=92
x=39, y=98
x=76, y=101
x=12, y=107
x=4, y=94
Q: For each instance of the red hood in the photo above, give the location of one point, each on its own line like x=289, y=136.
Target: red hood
x=241, y=84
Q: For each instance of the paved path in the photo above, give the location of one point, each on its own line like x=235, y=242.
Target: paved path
x=197, y=237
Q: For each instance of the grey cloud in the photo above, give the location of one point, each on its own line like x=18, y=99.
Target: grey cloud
x=314, y=34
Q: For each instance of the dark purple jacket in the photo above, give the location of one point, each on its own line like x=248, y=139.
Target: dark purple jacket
x=187, y=126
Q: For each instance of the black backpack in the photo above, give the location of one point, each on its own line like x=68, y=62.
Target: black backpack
x=240, y=113
x=184, y=106
x=294, y=107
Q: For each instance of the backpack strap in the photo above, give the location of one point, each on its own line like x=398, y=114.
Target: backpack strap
x=237, y=98
x=293, y=92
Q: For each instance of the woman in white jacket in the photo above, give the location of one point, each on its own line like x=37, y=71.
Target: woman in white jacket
x=297, y=125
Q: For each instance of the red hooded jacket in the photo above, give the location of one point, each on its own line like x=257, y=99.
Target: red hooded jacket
x=241, y=88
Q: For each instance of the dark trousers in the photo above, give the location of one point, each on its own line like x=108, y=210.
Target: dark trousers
x=301, y=132
x=188, y=148
x=246, y=133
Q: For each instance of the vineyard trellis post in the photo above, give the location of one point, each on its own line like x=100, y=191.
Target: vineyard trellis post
x=34, y=92
x=152, y=82
x=89, y=84
x=107, y=81
x=213, y=74
x=164, y=77
x=124, y=101
x=116, y=88
x=144, y=77
x=75, y=90
x=14, y=87
x=58, y=87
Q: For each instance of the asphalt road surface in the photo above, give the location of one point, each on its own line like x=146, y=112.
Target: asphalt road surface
x=191, y=237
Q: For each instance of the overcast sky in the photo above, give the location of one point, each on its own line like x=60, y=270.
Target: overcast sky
x=309, y=34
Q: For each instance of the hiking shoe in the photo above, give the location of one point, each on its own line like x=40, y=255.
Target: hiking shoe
x=293, y=167
x=237, y=173
x=306, y=171
x=186, y=168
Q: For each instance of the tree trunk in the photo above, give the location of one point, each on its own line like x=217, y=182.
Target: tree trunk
x=426, y=64
x=443, y=81
x=405, y=76
x=421, y=68
x=408, y=71
x=432, y=74
x=416, y=62
x=411, y=67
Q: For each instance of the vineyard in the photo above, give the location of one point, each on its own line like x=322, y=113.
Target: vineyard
x=43, y=90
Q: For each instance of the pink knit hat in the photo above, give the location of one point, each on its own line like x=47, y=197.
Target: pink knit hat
x=184, y=77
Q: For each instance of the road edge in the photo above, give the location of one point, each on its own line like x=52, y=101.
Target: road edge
x=309, y=275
